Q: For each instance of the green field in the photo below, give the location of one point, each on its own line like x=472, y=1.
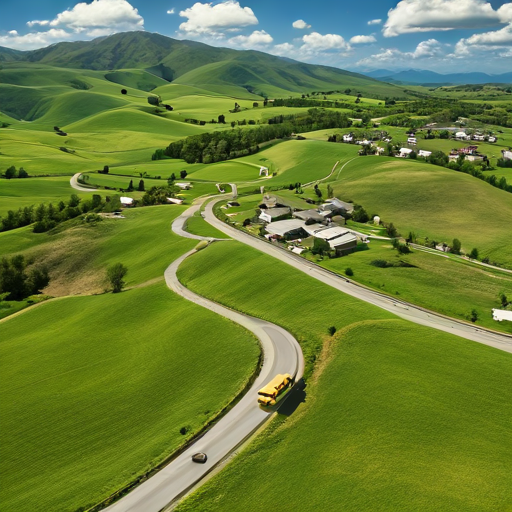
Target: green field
x=100, y=397
x=431, y=201
x=396, y=416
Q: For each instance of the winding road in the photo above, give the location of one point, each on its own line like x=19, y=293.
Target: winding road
x=74, y=184
x=281, y=354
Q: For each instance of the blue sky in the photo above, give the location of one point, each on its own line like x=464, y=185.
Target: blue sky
x=440, y=35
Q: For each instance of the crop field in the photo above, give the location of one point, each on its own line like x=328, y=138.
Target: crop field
x=445, y=285
x=96, y=389
x=396, y=416
x=433, y=201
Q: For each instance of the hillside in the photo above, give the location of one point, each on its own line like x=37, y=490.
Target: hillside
x=196, y=63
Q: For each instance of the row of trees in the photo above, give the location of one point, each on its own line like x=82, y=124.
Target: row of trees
x=11, y=172
x=16, y=282
x=218, y=146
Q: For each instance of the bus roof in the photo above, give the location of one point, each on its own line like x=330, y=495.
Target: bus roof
x=274, y=383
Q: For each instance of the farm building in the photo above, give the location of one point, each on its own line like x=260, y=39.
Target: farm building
x=184, y=186
x=405, y=152
x=275, y=214
x=174, y=200
x=309, y=215
x=290, y=229
x=478, y=137
x=126, y=201
x=507, y=155
x=501, y=314
x=336, y=204
x=339, y=239
x=348, y=137
x=492, y=139
x=424, y=153
x=412, y=140
x=462, y=136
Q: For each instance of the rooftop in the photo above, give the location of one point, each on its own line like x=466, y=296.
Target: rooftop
x=281, y=227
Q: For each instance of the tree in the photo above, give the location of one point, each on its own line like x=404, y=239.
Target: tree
x=124, y=91
x=474, y=254
x=391, y=230
x=332, y=330
x=330, y=192
x=349, y=272
x=255, y=104
x=359, y=214
x=141, y=186
x=10, y=172
x=22, y=173
x=221, y=119
x=130, y=186
x=320, y=246
x=105, y=169
x=183, y=174
x=247, y=222
x=74, y=201
x=456, y=246
x=504, y=300
x=473, y=316
x=115, y=275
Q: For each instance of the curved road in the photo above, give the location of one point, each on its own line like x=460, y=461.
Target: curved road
x=74, y=184
x=282, y=354
x=402, y=309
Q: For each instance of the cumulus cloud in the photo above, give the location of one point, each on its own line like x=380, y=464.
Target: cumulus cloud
x=363, y=39
x=284, y=50
x=429, y=15
x=33, y=40
x=257, y=39
x=38, y=22
x=318, y=42
x=210, y=20
x=300, y=24
x=501, y=37
x=425, y=50
x=171, y=11
x=375, y=22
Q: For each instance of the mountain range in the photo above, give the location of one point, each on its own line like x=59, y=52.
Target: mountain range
x=190, y=62
x=425, y=77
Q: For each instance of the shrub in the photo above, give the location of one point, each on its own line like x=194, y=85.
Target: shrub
x=349, y=272
x=332, y=330
x=115, y=275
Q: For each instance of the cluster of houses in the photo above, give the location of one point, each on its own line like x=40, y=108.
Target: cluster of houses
x=128, y=202
x=470, y=152
x=477, y=136
x=406, y=152
x=325, y=222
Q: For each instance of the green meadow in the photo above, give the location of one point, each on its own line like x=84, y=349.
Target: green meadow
x=396, y=416
x=96, y=389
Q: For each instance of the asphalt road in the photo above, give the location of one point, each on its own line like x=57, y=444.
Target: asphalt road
x=74, y=184
x=282, y=354
x=402, y=309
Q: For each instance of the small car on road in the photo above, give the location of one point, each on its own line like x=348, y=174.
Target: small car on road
x=199, y=457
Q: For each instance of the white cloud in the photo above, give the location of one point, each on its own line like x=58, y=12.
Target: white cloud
x=257, y=39
x=363, y=39
x=284, y=50
x=208, y=19
x=38, y=22
x=375, y=22
x=429, y=15
x=497, y=37
x=171, y=11
x=300, y=24
x=425, y=50
x=33, y=40
x=318, y=42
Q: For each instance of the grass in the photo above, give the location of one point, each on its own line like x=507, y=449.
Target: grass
x=431, y=201
x=198, y=226
x=453, y=288
x=396, y=416
x=102, y=395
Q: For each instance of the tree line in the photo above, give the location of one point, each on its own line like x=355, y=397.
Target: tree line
x=218, y=146
x=16, y=283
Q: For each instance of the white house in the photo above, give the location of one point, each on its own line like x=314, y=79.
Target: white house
x=348, y=137
x=492, y=139
x=478, y=137
x=405, y=152
x=501, y=314
x=126, y=201
x=462, y=136
x=507, y=155
x=174, y=200
x=184, y=186
x=424, y=153
x=412, y=140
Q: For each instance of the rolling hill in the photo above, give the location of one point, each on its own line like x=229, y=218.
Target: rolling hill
x=193, y=63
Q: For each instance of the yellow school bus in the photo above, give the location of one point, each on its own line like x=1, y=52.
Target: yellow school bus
x=269, y=393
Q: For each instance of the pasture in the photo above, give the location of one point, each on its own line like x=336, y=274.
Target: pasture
x=96, y=389
x=396, y=416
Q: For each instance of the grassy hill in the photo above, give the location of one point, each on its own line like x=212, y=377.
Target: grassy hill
x=397, y=417
x=431, y=201
x=200, y=65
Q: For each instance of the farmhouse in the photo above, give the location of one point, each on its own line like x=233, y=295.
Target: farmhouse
x=478, y=137
x=507, y=155
x=462, y=136
x=275, y=214
x=424, y=153
x=405, y=152
x=126, y=201
x=501, y=314
x=290, y=229
x=492, y=139
x=174, y=200
x=184, y=186
x=412, y=140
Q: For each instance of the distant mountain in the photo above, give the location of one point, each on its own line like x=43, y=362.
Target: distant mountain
x=196, y=63
x=424, y=77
